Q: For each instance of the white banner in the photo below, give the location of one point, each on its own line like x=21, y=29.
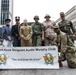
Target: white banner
x=29, y=58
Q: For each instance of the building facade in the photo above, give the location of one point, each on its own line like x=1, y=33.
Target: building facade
x=6, y=11
x=70, y=15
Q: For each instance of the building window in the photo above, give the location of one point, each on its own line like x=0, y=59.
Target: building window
x=3, y=17
x=5, y=5
x=4, y=11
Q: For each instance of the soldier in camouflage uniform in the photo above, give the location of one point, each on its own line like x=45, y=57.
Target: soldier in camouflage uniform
x=38, y=32
x=66, y=26
x=26, y=34
x=65, y=46
x=50, y=35
x=62, y=43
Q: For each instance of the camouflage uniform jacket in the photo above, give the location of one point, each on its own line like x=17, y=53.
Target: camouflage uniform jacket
x=37, y=34
x=61, y=41
x=49, y=28
x=37, y=28
x=67, y=27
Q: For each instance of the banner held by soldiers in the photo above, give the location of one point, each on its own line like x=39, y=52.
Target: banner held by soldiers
x=29, y=58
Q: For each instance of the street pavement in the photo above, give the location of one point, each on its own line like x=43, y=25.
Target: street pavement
x=62, y=71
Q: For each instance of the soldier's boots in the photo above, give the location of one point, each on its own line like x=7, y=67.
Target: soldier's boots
x=60, y=64
x=60, y=61
x=71, y=65
x=63, y=57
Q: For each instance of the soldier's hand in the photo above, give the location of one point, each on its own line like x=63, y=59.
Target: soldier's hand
x=22, y=37
x=47, y=27
x=74, y=35
x=42, y=38
x=52, y=38
x=10, y=39
x=16, y=35
x=19, y=38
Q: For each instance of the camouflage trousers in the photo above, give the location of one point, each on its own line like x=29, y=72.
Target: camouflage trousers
x=71, y=63
x=71, y=57
x=71, y=37
x=37, y=40
x=49, y=42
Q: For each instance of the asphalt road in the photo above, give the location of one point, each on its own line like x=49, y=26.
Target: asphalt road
x=62, y=71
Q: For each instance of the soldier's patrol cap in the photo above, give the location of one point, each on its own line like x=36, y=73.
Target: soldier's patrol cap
x=62, y=14
x=36, y=17
x=56, y=27
x=47, y=15
x=17, y=18
x=7, y=20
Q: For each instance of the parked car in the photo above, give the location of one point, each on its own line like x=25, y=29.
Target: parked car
x=29, y=23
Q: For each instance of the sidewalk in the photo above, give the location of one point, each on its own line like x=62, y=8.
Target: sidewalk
x=62, y=71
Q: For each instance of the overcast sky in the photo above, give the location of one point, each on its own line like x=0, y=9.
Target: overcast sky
x=29, y=8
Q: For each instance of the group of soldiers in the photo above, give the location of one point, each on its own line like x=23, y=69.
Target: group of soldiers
x=38, y=34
